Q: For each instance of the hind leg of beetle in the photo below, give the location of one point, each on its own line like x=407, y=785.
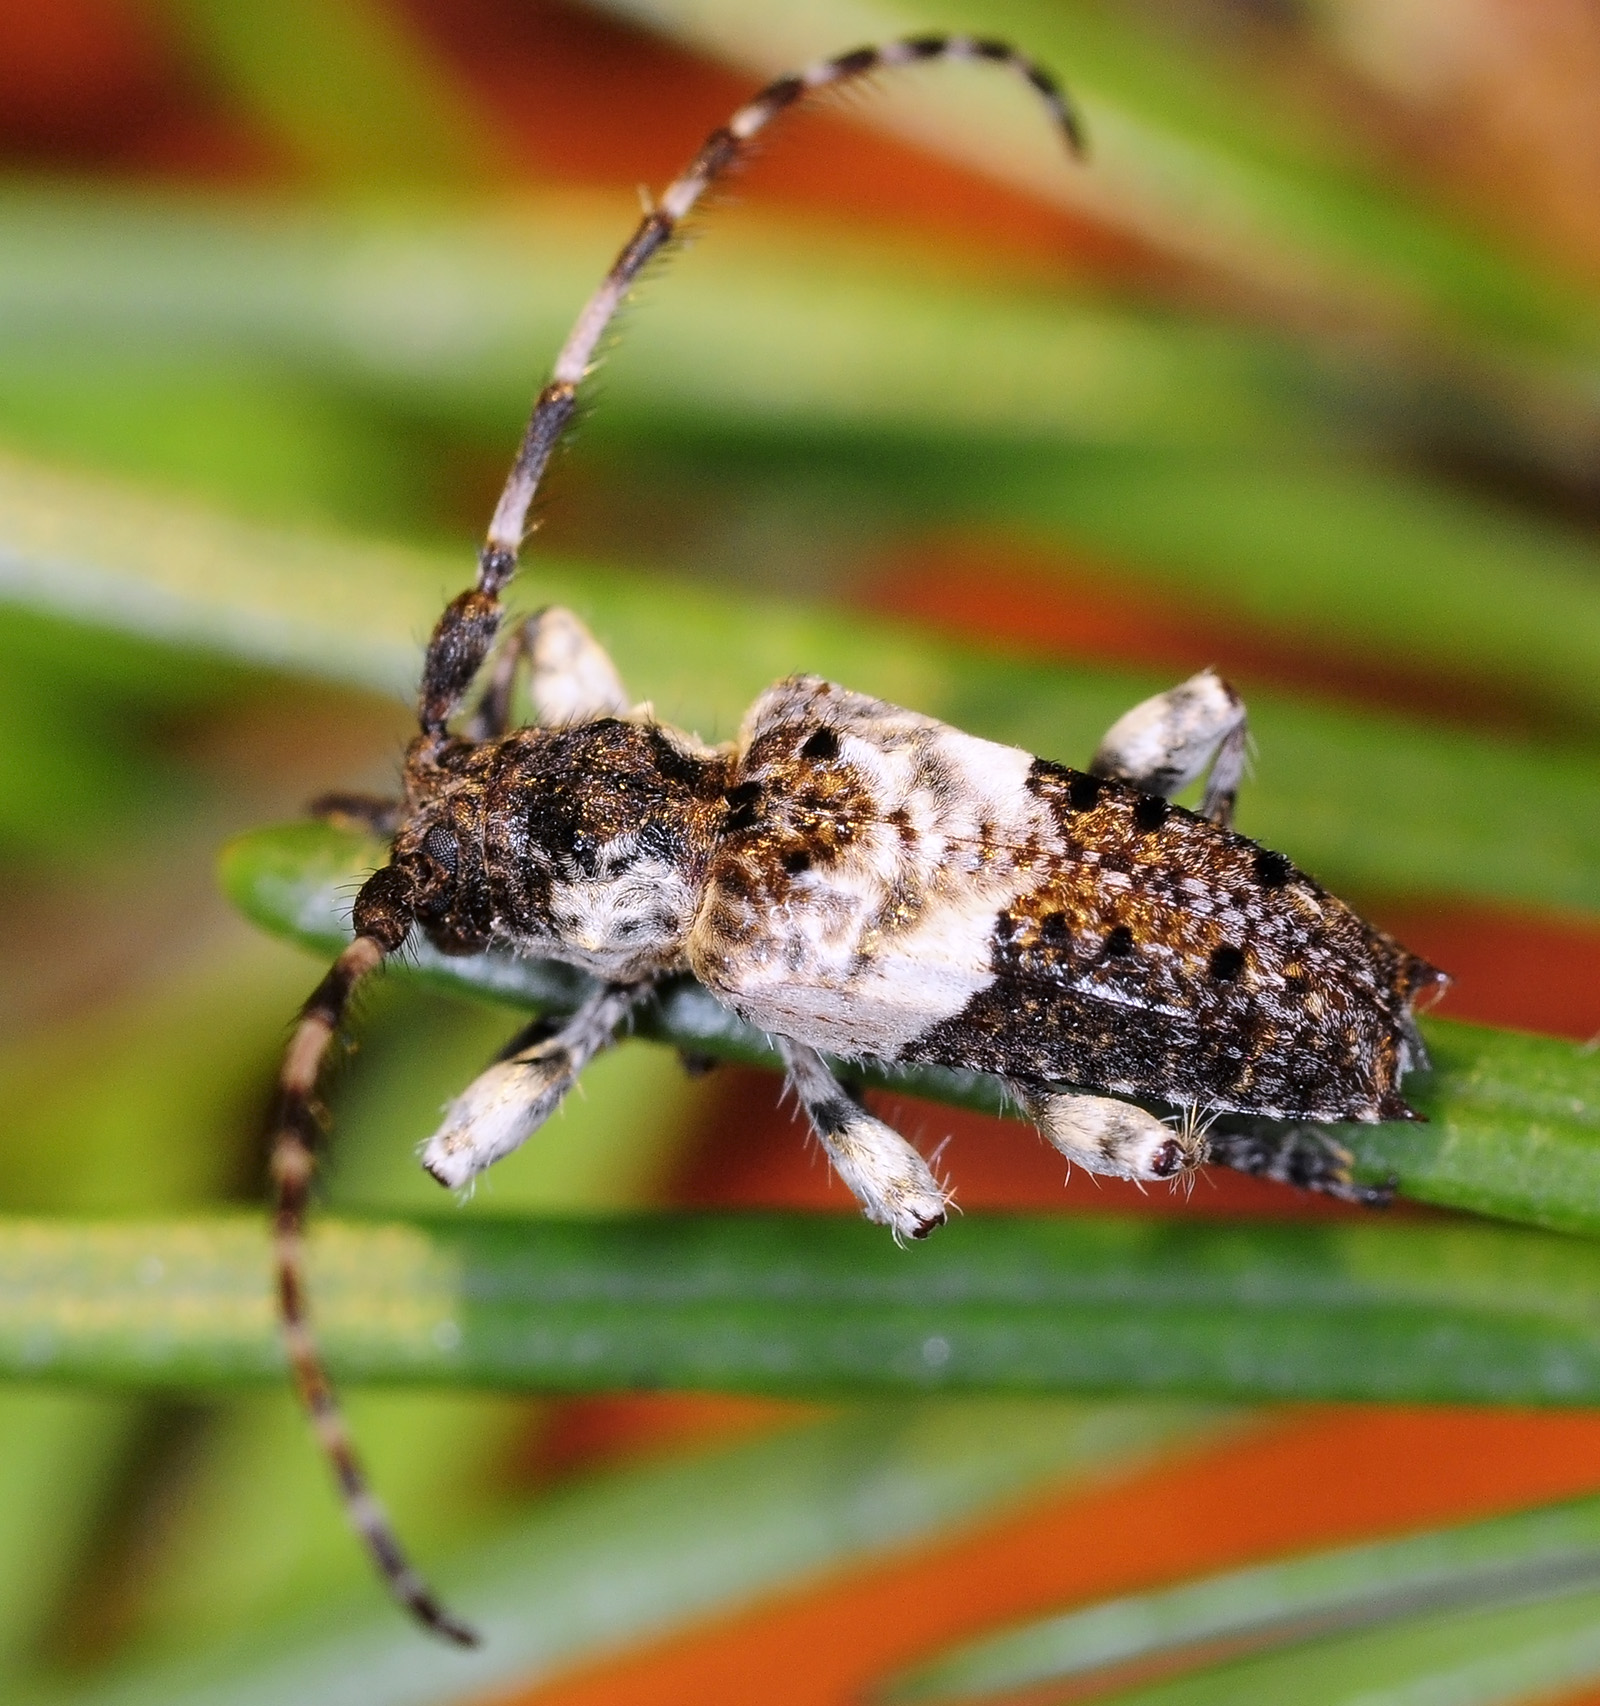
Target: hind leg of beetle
x=503, y=1107
x=1167, y=742
x=894, y=1185
x=1118, y=1139
x=1302, y=1155
x=570, y=677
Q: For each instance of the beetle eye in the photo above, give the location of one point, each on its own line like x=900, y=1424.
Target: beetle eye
x=440, y=846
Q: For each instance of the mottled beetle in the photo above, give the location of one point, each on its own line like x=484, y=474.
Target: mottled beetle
x=852, y=878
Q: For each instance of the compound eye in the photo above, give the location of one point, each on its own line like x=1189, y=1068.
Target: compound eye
x=440, y=846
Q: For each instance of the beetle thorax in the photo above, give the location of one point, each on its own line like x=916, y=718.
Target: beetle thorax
x=587, y=844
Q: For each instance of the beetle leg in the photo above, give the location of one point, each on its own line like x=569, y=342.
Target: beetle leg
x=1302, y=1155
x=570, y=677
x=1104, y=1135
x=1167, y=742
x=894, y=1185
x=503, y=1107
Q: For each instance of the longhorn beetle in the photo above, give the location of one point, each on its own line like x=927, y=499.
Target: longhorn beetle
x=855, y=879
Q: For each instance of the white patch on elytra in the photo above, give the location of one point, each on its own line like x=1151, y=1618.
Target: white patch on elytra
x=897, y=933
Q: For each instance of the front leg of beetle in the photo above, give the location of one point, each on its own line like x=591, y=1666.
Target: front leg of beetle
x=1167, y=742
x=503, y=1107
x=894, y=1185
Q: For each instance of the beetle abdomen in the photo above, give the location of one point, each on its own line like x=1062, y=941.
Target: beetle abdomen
x=891, y=886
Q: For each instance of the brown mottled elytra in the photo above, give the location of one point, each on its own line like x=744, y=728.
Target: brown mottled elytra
x=855, y=879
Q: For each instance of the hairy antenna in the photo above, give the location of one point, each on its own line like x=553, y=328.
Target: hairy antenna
x=383, y=920
x=720, y=151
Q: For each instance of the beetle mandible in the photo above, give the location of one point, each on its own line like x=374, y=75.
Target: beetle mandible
x=858, y=880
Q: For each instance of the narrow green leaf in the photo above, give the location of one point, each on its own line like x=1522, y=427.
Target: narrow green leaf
x=1224, y=462
x=1532, y=1554
x=632, y=1554
x=1317, y=547
x=256, y=1534
x=1481, y=1657
x=819, y=1305
x=1513, y=1120
x=465, y=311
x=244, y=430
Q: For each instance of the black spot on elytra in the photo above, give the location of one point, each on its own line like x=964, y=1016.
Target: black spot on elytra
x=797, y=862
x=1150, y=811
x=1083, y=791
x=1226, y=963
x=1119, y=941
x=743, y=800
x=1272, y=869
x=1053, y=928
x=822, y=746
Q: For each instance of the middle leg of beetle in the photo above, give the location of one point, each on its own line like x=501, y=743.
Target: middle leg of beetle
x=503, y=1107
x=1117, y=1139
x=891, y=1181
x=1167, y=742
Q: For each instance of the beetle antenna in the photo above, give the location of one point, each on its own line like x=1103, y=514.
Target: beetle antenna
x=722, y=149
x=466, y=631
x=382, y=918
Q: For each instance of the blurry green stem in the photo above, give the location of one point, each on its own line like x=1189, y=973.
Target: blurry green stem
x=825, y=1305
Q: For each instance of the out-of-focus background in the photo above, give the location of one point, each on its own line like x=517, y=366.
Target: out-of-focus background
x=1299, y=376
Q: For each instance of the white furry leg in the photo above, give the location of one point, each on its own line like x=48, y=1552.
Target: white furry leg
x=1165, y=743
x=1103, y=1135
x=570, y=677
x=894, y=1185
x=503, y=1107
